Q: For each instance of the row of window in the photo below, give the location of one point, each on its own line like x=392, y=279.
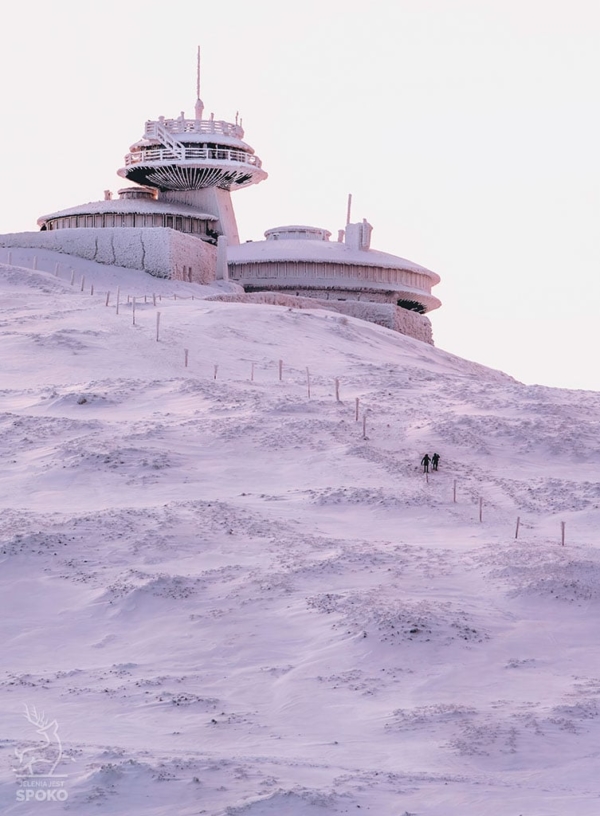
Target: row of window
x=177, y=222
x=338, y=294
x=299, y=269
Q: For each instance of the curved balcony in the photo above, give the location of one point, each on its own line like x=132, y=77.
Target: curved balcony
x=192, y=168
x=180, y=125
x=336, y=280
x=162, y=155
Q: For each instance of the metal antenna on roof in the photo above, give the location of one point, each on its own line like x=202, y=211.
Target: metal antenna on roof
x=199, y=103
x=198, y=75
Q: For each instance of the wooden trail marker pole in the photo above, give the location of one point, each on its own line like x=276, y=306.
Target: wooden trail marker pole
x=356, y=410
x=118, y=296
x=133, y=311
x=185, y=357
x=153, y=299
x=280, y=370
x=251, y=372
x=82, y=282
x=92, y=289
x=128, y=299
x=157, y=325
x=145, y=299
x=72, y=277
x=215, y=372
x=308, y=382
x=107, y=298
x=563, y=524
x=56, y=265
x=364, y=425
x=481, y=508
x=454, y=492
x=337, y=390
x=517, y=528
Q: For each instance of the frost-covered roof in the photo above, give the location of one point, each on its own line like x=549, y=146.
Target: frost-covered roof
x=299, y=231
x=136, y=205
x=320, y=251
x=199, y=138
x=296, y=227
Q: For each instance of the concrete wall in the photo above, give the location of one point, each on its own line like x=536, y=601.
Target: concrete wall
x=164, y=253
x=270, y=298
x=412, y=324
x=389, y=315
x=210, y=200
x=191, y=258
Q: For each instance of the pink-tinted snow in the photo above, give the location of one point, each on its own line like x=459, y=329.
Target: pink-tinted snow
x=234, y=604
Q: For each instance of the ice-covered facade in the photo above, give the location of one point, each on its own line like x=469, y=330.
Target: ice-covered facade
x=303, y=261
x=177, y=220
x=135, y=207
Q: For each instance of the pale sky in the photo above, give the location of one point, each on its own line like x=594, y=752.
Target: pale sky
x=466, y=130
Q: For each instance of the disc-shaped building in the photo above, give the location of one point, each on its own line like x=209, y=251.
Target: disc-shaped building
x=176, y=219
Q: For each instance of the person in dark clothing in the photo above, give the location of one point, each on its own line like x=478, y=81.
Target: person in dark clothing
x=425, y=462
x=435, y=460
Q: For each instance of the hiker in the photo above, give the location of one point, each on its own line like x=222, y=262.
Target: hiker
x=435, y=459
x=425, y=462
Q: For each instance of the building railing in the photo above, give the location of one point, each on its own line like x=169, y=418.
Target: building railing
x=168, y=140
x=193, y=126
x=348, y=274
x=208, y=154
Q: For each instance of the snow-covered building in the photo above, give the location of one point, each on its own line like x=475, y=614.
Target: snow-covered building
x=176, y=211
x=179, y=207
x=196, y=162
x=302, y=261
x=135, y=207
x=184, y=171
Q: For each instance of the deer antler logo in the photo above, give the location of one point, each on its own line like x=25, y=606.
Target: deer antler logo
x=40, y=760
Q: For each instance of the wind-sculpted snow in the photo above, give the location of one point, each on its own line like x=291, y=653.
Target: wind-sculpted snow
x=549, y=572
x=227, y=597
x=556, y=495
x=499, y=736
x=571, y=435
x=397, y=622
x=373, y=497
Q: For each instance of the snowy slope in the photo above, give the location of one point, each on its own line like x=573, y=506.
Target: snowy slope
x=233, y=603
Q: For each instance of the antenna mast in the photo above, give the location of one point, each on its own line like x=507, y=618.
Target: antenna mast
x=349, y=210
x=199, y=103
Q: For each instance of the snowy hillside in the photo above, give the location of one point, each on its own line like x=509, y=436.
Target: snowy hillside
x=234, y=604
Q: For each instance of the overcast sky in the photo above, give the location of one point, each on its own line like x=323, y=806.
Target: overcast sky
x=466, y=130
